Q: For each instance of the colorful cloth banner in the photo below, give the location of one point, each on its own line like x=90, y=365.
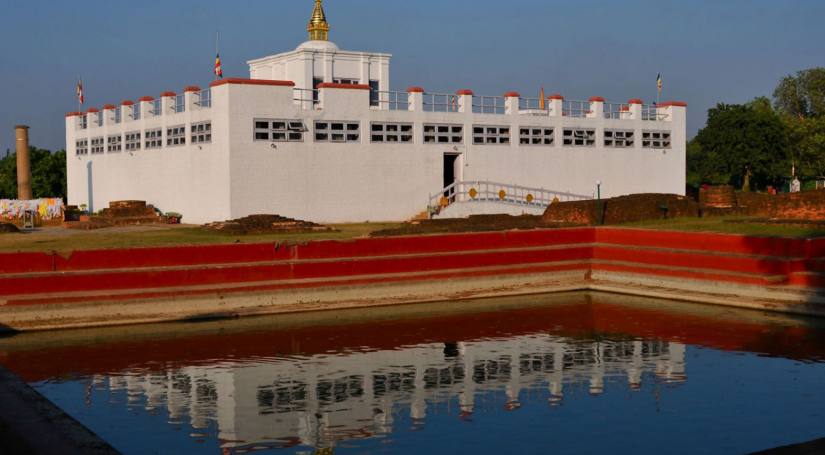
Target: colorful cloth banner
x=47, y=209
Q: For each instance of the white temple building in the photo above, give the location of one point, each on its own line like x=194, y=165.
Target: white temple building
x=317, y=134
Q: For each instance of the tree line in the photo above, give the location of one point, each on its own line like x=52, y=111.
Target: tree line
x=760, y=143
x=48, y=174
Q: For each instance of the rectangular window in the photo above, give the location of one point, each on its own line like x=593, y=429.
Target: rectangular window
x=579, y=137
x=337, y=132
x=279, y=130
x=375, y=99
x=535, y=135
x=154, y=139
x=656, y=139
x=97, y=118
x=435, y=133
x=618, y=138
x=202, y=133
x=118, y=113
x=114, y=143
x=84, y=122
x=180, y=104
x=81, y=147
x=491, y=135
x=136, y=112
x=391, y=132
x=132, y=141
x=315, y=93
x=176, y=135
x=97, y=145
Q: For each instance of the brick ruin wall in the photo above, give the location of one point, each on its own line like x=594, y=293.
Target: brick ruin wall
x=714, y=201
x=807, y=205
x=623, y=209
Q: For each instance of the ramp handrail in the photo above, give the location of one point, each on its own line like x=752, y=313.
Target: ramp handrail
x=504, y=193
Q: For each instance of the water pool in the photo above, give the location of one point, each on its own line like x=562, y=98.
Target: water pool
x=572, y=373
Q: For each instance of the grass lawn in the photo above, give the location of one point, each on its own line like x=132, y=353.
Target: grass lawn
x=65, y=240
x=731, y=225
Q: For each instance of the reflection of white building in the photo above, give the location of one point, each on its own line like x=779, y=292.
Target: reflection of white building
x=317, y=133
x=322, y=399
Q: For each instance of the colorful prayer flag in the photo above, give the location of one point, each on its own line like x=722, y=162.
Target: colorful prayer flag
x=79, y=91
x=218, y=69
x=542, y=99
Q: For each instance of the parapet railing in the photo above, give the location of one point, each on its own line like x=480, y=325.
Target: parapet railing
x=489, y=105
x=155, y=108
x=573, y=108
x=415, y=99
x=393, y=101
x=502, y=193
x=204, y=100
x=533, y=105
x=616, y=111
x=180, y=104
x=651, y=113
x=440, y=102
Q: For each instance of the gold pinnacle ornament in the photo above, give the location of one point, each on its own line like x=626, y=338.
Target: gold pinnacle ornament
x=318, y=27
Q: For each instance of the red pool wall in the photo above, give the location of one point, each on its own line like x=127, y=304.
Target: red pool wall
x=708, y=256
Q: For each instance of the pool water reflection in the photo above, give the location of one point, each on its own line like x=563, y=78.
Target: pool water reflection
x=579, y=373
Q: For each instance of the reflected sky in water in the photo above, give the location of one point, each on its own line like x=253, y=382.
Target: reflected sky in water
x=579, y=373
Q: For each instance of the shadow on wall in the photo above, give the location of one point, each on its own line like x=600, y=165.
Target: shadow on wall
x=6, y=331
x=90, y=187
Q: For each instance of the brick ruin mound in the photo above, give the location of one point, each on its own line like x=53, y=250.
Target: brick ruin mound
x=120, y=213
x=8, y=228
x=474, y=223
x=806, y=205
x=725, y=201
x=265, y=224
x=622, y=209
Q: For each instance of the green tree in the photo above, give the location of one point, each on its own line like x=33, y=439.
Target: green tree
x=802, y=95
x=48, y=174
x=807, y=136
x=742, y=145
x=8, y=176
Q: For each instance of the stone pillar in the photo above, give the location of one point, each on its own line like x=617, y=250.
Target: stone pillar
x=415, y=96
x=465, y=101
x=24, y=170
x=109, y=114
x=596, y=107
x=511, y=101
x=167, y=103
x=146, y=107
x=127, y=111
x=192, y=97
x=635, y=109
x=556, y=105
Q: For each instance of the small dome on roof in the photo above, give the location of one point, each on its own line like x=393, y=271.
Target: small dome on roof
x=319, y=45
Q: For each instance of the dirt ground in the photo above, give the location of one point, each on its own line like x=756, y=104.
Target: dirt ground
x=476, y=223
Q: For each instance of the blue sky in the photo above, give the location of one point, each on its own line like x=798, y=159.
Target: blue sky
x=708, y=51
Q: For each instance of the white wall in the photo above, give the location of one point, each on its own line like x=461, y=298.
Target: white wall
x=357, y=182
x=235, y=175
x=190, y=179
x=323, y=60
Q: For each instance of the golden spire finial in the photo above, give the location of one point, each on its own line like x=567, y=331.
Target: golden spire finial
x=318, y=27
